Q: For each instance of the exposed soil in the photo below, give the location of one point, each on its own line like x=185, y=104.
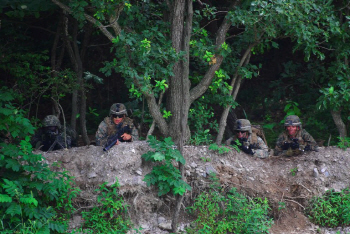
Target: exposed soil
x=290, y=181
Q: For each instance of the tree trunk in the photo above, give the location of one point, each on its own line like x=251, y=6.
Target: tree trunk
x=339, y=123
x=235, y=84
x=184, y=89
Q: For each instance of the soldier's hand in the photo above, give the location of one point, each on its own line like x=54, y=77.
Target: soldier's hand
x=294, y=144
x=126, y=137
x=247, y=150
x=285, y=146
x=307, y=148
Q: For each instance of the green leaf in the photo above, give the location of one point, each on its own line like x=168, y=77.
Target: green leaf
x=331, y=90
x=5, y=198
x=14, y=209
x=158, y=156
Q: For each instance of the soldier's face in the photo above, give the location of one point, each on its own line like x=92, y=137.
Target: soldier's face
x=117, y=119
x=241, y=134
x=292, y=130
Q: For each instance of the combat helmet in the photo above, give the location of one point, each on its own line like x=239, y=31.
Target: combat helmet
x=243, y=125
x=51, y=121
x=118, y=109
x=292, y=120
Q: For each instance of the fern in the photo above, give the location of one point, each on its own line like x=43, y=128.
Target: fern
x=29, y=199
x=10, y=187
x=14, y=209
x=58, y=227
x=5, y=198
x=29, y=191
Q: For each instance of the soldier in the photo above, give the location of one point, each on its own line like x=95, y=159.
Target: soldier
x=294, y=140
x=50, y=137
x=114, y=123
x=250, y=143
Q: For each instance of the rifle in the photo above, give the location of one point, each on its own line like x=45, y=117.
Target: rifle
x=112, y=140
x=54, y=141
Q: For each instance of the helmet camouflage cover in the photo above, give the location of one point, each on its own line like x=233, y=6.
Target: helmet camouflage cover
x=118, y=109
x=292, y=120
x=243, y=125
x=51, y=121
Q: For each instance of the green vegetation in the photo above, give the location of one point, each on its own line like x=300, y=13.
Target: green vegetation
x=332, y=209
x=164, y=175
x=222, y=149
x=179, y=65
x=33, y=199
x=232, y=212
x=344, y=142
x=109, y=214
x=293, y=171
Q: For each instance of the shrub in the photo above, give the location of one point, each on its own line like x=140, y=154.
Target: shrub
x=109, y=215
x=233, y=213
x=331, y=209
x=164, y=174
x=30, y=193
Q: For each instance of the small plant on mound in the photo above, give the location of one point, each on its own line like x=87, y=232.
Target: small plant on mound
x=110, y=213
x=344, y=142
x=33, y=199
x=330, y=210
x=220, y=149
x=164, y=174
x=229, y=213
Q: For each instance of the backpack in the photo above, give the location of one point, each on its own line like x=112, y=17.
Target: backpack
x=258, y=131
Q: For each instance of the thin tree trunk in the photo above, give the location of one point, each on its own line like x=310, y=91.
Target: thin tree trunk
x=339, y=123
x=151, y=129
x=185, y=84
x=235, y=84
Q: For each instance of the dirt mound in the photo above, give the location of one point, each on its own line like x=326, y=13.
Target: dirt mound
x=289, y=181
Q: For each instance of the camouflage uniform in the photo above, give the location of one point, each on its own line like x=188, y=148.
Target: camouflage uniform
x=50, y=137
x=257, y=149
x=303, y=141
x=108, y=128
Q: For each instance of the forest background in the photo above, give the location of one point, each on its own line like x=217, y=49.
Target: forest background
x=262, y=59
x=181, y=66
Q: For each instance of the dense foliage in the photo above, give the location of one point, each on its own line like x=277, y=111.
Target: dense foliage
x=232, y=212
x=32, y=196
x=332, y=209
x=164, y=174
x=109, y=214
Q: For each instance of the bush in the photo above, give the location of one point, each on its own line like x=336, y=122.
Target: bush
x=331, y=209
x=233, y=213
x=165, y=175
x=109, y=215
x=30, y=193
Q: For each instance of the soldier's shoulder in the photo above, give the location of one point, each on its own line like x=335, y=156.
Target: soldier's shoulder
x=128, y=121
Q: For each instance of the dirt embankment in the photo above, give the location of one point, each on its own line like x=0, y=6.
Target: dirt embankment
x=292, y=181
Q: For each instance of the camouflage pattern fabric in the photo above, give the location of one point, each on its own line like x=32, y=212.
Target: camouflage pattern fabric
x=260, y=149
x=118, y=109
x=108, y=128
x=51, y=121
x=45, y=141
x=51, y=137
x=305, y=140
x=243, y=125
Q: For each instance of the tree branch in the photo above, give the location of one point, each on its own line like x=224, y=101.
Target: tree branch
x=88, y=18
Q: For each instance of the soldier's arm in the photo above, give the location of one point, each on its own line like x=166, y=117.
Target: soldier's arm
x=228, y=141
x=278, y=149
x=101, y=134
x=310, y=141
x=261, y=151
